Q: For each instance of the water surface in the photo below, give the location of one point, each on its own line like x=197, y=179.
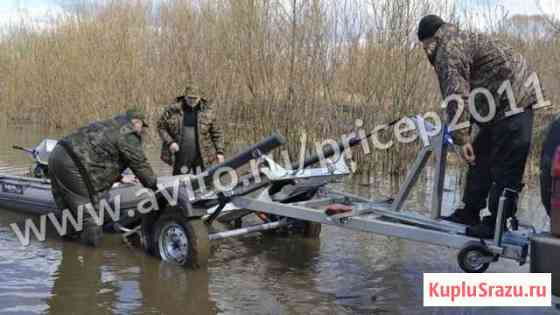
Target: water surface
x=344, y=272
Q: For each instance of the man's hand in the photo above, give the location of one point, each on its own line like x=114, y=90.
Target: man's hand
x=468, y=153
x=220, y=158
x=174, y=147
x=129, y=179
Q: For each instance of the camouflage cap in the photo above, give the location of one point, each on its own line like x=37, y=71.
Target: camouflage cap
x=192, y=92
x=137, y=113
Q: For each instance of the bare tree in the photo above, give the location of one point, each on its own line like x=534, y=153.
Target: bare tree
x=551, y=20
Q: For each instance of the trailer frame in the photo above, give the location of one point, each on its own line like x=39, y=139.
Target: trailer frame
x=387, y=217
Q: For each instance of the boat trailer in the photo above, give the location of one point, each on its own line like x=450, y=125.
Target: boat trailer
x=382, y=217
x=297, y=199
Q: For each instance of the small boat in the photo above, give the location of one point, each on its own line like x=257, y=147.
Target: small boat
x=33, y=196
x=31, y=193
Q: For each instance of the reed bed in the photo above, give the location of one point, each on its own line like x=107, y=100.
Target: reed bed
x=295, y=66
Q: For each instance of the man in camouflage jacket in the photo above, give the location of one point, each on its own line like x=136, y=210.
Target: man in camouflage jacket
x=477, y=67
x=192, y=139
x=84, y=165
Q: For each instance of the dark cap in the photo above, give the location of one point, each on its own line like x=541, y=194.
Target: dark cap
x=428, y=26
x=137, y=113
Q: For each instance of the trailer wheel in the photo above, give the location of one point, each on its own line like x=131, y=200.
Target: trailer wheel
x=474, y=258
x=182, y=241
x=147, y=235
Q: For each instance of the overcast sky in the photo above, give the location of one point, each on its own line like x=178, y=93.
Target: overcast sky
x=516, y=6
x=9, y=9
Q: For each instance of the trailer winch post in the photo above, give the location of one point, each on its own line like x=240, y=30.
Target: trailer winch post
x=412, y=178
x=501, y=219
x=439, y=147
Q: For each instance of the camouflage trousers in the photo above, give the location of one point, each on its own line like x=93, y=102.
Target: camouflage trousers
x=68, y=187
x=70, y=192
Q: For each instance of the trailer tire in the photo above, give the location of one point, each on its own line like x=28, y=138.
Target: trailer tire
x=181, y=241
x=147, y=235
x=470, y=254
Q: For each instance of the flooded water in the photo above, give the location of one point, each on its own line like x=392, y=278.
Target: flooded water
x=342, y=273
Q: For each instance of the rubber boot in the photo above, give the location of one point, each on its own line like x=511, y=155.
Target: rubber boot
x=486, y=229
x=463, y=216
x=92, y=233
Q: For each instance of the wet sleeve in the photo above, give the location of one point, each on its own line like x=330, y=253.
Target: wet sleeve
x=132, y=153
x=453, y=70
x=163, y=127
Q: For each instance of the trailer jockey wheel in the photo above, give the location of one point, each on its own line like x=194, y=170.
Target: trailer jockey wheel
x=475, y=258
x=181, y=241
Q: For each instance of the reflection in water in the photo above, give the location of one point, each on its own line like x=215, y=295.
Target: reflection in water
x=125, y=281
x=344, y=273
x=78, y=284
x=189, y=291
x=24, y=272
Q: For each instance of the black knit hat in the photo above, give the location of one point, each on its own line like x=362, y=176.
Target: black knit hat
x=428, y=26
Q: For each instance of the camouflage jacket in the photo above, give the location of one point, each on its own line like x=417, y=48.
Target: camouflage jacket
x=210, y=134
x=467, y=61
x=104, y=149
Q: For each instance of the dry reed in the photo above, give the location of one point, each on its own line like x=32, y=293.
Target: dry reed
x=286, y=65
